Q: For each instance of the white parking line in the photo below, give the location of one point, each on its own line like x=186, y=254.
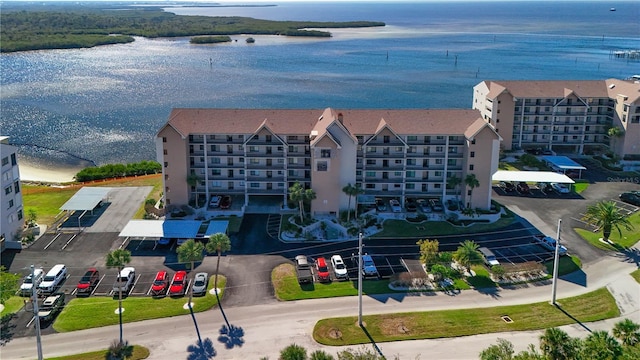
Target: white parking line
x=30, y=321
x=51, y=242
x=73, y=237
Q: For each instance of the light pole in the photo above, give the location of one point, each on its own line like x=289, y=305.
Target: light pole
x=555, y=265
x=35, y=312
x=360, y=279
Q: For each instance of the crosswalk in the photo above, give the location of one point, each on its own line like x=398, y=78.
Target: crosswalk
x=273, y=225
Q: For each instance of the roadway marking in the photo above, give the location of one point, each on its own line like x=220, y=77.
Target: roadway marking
x=30, y=322
x=65, y=245
x=51, y=242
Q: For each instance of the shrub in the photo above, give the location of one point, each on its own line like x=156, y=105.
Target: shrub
x=293, y=352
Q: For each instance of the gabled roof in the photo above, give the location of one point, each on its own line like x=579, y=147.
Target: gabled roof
x=264, y=126
x=382, y=125
x=477, y=126
x=550, y=88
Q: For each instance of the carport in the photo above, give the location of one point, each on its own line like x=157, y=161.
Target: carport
x=563, y=163
x=531, y=176
x=217, y=226
x=157, y=229
x=86, y=199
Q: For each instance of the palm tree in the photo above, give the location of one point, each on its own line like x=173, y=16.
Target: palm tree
x=349, y=191
x=627, y=332
x=190, y=252
x=606, y=216
x=218, y=243
x=118, y=259
x=119, y=350
x=599, y=345
x=299, y=194
x=614, y=133
x=453, y=182
x=472, y=182
x=558, y=345
x=357, y=190
x=467, y=254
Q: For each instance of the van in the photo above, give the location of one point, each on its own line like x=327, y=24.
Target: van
x=27, y=285
x=489, y=257
x=53, y=278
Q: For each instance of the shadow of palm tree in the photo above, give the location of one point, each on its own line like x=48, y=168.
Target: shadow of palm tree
x=201, y=350
x=572, y=317
x=231, y=336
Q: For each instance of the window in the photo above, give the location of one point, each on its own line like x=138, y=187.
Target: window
x=397, y=173
x=166, y=164
x=253, y=149
x=472, y=154
x=16, y=187
x=398, y=162
x=5, y=161
x=254, y=185
x=437, y=173
x=412, y=138
x=8, y=190
x=20, y=214
x=371, y=149
x=322, y=166
x=371, y=162
x=411, y=161
x=164, y=139
x=411, y=174
x=254, y=173
x=439, y=148
x=280, y=161
x=267, y=138
x=215, y=172
x=370, y=186
x=325, y=153
x=385, y=139
x=13, y=159
x=411, y=186
x=229, y=137
x=371, y=174
x=452, y=162
x=473, y=141
x=164, y=152
x=10, y=203
x=453, y=149
x=471, y=167
x=399, y=148
x=437, y=186
x=439, y=162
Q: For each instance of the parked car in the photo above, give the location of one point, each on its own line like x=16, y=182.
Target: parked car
x=550, y=244
x=339, y=268
x=545, y=187
x=52, y=280
x=368, y=266
x=323, y=270
x=489, y=257
x=28, y=283
x=303, y=270
x=178, y=283
x=410, y=205
x=507, y=186
x=50, y=307
x=630, y=198
x=88, y=281
x=523, y=188
x=160, y=283
x=436, y=204
x=561, y=188
x=424, y=206
x=200, y=283
x=215, y=201
x=395, y=205
x=125, y=279
x=380, y=206
x=225, y=203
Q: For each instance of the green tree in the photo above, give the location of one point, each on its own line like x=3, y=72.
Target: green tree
x=467, y=255
x=320, y=355
x=190, y=252
x=293, y=352
x=472, y=182
x=453, y=182
x=9, y=284
x=503, y=350
x=614, y=133
x=119, y=350
x=599, y=345
x=218, y=243
x=530, y=354
x=558, y=345
x=606, y=216
x=428, y=251
x=118, y=259
x=32, y=217
x=299, y=194
x=349, y=190
x=627, y=332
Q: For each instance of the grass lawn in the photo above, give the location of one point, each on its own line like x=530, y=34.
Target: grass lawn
x=482, y=278
x=636, y=275
x=13, y=305
x=139, y=352
x=92, y=312
x=566, y=265
x=628, y=238
x=286, y=286
x=594, y=306
x=403, y=229
x=580, y=186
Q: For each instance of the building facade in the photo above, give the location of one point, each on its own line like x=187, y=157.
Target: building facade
x=563, y=115
x=388, y=153
x=11, y=211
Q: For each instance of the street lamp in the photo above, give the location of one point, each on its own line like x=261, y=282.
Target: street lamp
x=360, y=279
x=556, y=258
x=35, y=312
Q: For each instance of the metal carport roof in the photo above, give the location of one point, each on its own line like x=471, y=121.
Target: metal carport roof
x=217, y=226
x=531, y=176
x=172, y=229
x=87, y=198
x=563, y=162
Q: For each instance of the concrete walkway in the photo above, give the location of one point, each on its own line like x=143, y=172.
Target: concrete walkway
x=270, y=327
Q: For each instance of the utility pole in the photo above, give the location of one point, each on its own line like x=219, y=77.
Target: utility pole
x=556, y=259
x=35, y=312
x=360, y=279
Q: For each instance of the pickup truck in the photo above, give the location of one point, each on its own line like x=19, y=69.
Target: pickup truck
x=125, y=279
x=550, y=244
x=303, y=270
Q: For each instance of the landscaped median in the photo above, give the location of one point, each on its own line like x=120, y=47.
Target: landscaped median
x=593, y=306
x=86, y=313
x=620, y=242
x=139, y=352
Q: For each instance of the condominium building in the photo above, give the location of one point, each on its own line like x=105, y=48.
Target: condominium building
x=389, y=153
x=11, y=213
x=563, y=115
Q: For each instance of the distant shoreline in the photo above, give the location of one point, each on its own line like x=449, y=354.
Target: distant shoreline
x=34, y=170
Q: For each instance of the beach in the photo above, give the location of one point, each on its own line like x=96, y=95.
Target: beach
x=33, y=170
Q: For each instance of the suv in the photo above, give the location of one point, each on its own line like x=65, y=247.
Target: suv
x=178, y=283
x=27, y=285
x=125, y=280
x=489, y=257
x=50, y=307
x=159, y=286
x=339, y=268
x=368, y=266
x=323, y=270
x=53, y=278
x=88, y=282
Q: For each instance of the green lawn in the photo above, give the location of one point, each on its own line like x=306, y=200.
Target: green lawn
x=13, y=305
x=594, y=306
x=580, y=186
x=45, y=200
x=86, y=313
x=566, y=265
x=636, y=275
x=628, y=238
x=139, y=352
x=482, y=278
x=286, y=286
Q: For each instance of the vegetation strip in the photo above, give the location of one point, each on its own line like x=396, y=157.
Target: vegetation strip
x=139, y=352
x=593, y=306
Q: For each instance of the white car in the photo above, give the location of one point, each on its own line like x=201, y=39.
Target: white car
x=27, y=285
x=339, y=268
x=550, y=244
x=395, y=205
x=215, y=201
x=561, y=188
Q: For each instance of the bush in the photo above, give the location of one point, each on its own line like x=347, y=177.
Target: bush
x=293, y=352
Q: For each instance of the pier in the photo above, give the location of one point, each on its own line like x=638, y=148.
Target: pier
x=625, y=54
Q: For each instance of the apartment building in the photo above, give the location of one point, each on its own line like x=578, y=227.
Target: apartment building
x=563, y=115
x=253, y=153
x=11, y=212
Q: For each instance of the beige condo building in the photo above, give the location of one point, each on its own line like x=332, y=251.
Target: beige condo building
x=563, y=115
x=252, y=153
x=11, y=211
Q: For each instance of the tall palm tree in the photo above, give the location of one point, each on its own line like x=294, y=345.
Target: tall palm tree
x=299, y=194
x=190, y=252
x=606, y=216
x=118, y=259
x=472, y=182
x=627, y=332
x=614, y=133
x=218, y=243
x=348, y=189
x=454, y=182
x=357, y=190
x=558, y=345
x=599, y=345
x=467, y=254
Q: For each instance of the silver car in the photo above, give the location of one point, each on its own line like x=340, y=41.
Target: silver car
x=200, y=283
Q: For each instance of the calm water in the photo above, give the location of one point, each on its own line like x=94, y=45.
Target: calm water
x=106, y=104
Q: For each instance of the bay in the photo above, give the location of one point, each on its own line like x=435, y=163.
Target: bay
x=105, y=104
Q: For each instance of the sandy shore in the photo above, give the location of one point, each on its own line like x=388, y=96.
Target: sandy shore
x=30, y=171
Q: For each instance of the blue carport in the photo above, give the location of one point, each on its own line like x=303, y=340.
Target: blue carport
x=217, y=226
x=563, y=163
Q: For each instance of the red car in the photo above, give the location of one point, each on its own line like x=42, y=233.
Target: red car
x=178, y=283
x=88, y=281
x=225, y=203
x=160, y=284
x=323, y=270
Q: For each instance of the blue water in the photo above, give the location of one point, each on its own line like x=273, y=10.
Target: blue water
x=106, y=103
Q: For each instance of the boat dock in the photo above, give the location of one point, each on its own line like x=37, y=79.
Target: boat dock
x=625, y=54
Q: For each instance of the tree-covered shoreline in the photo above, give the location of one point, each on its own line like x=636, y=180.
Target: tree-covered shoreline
x=83, y=27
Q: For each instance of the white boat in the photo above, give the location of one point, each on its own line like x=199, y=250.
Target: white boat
x=612, y=9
